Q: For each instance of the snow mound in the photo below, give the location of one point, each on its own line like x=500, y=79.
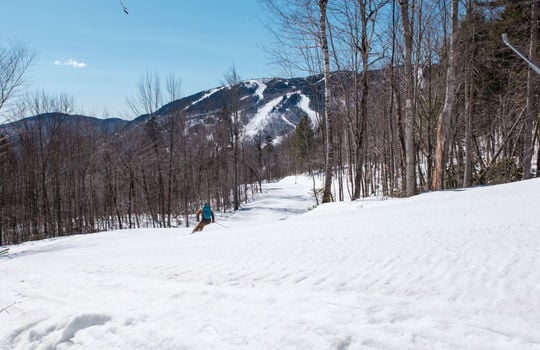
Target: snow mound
x=80, y=323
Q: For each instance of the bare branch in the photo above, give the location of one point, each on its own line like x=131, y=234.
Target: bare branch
x=14, y=63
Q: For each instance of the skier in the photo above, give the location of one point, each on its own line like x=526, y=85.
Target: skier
x=207, y=216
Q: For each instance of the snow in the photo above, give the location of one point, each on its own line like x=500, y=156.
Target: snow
x=261, y=86
x=205, y=96
x=304, y=104
x=261, y=118
x=443, y=270
x=264, y=114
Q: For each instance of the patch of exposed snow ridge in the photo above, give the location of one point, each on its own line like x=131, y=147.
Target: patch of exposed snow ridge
x=205, y=96
x=261, y=86
x=304, y=105
x=265, y=113
x=262, y=117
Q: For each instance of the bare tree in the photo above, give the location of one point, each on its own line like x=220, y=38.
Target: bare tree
x=149, y=95
x=328, y=121
x=233, y=106
x=445, y=118
x=361, y=30
x=296, y=27
x=531, y=106
x=148, y=100
x=41, y=136
x=14, y=63
x=173, y=88
x=410, y=157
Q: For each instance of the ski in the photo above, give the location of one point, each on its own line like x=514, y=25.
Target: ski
x=4, y=251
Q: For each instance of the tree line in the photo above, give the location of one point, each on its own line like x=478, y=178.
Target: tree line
x=62, y=175
x=431, y=99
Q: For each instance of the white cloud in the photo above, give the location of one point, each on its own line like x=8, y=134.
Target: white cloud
x=70, y=62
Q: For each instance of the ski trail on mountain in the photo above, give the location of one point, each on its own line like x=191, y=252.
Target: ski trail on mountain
x=446, y=270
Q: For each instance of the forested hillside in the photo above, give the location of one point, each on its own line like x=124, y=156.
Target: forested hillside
x=402, y=97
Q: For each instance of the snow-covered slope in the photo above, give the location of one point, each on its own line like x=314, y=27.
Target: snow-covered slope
x=445, y=270
x=267, y=106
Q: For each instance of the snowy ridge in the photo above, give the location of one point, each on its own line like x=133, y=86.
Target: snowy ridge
x=261, y=86
x=205, y=96
x=270, y=107
x=442, y=270
x=261, y=118
x=269, y=113
x=287, y=121
x=304, y=104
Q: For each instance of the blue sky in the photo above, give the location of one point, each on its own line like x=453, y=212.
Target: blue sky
x=94, y=52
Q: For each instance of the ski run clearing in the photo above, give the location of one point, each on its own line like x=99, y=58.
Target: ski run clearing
x=442, y=270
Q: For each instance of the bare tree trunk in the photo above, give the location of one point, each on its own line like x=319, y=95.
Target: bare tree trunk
x=531, y=108
x=173, y=89
x=148, y=100
x=361, y=125
x=469, y=85
x=329, y=154
x=233, y=79
x=445, y=118
x=410, y=157
x=537, y=139
x=467, y=172
x=236, y=190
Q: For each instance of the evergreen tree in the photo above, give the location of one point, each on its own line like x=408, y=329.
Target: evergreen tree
x=303, y=141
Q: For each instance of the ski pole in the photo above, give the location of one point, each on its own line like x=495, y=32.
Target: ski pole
x=221, y=224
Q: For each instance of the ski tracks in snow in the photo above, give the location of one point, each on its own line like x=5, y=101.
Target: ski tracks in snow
x=340, y=277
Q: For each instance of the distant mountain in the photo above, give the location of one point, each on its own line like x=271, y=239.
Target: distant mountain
x=51, y=120
x=267, y=107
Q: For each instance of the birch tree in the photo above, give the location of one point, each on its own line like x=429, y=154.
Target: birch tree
x=329, y=132
x=445, y=117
